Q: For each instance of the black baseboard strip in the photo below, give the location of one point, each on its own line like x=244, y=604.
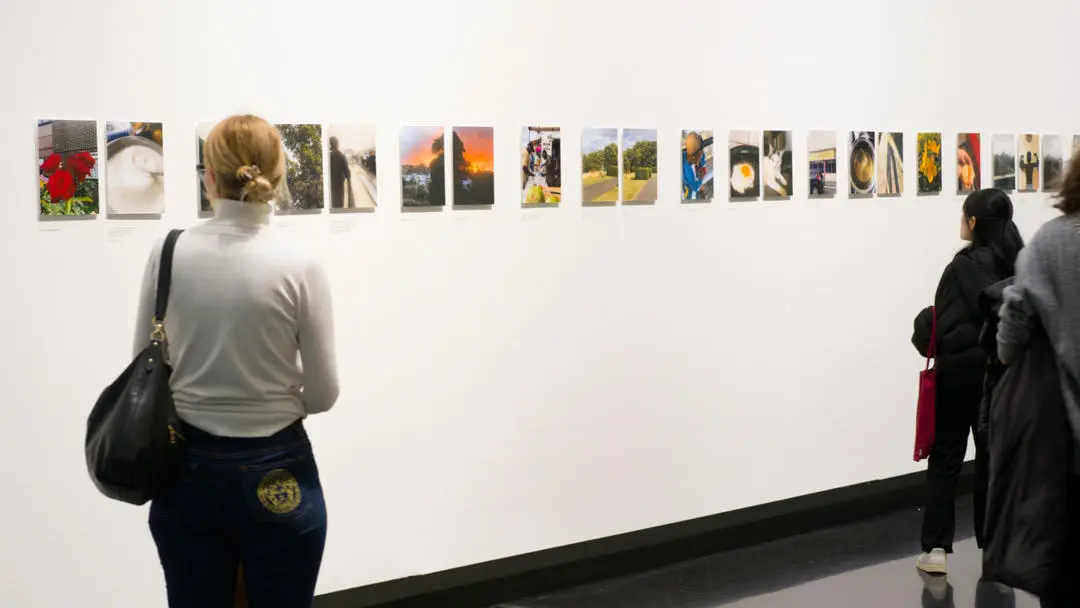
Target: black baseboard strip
x=489, y=583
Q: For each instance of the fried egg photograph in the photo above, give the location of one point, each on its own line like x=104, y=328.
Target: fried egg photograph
x=745, y=155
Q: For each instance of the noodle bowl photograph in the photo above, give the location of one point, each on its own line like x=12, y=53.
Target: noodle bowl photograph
x=861, y=169
x=134, y=168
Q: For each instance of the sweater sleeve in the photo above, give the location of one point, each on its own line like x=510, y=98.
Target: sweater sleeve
x=1014, y=327
x=144, y=313
x=316, y=340
x=924, y=327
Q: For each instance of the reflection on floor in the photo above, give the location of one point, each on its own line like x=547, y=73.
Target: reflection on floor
x=869, y=564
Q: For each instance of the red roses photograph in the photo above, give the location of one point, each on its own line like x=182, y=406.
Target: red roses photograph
x=67, y=169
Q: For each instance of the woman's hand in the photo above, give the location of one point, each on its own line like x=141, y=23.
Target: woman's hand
x=965, y=169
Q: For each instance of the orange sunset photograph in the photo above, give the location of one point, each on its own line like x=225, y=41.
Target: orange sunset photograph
x=423, y=167
x=474, y=166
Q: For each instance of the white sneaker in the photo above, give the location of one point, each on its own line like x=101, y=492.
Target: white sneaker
x=935, y=562
x=937, y=586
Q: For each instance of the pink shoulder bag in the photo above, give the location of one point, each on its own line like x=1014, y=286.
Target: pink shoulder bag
x=926, y=414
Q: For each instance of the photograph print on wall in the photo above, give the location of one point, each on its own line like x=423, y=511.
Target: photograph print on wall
x=929, y=152
x=1072, y=152
x=968, y=163
x=776, y=164
x=861, y=170
x=1053, y=163
x=745, y=159
x=134, y=168
x=1028, y=167
x=541, y=166
x=821, y=151
x=474, y=165
x=697, y=163
x=202, y=131
x=639, y=166
x=890, y=164
x=599, y=166
x=423, y=167
x=67, y=168
x=352, y=167
x=302, y=190
x=1003, y=150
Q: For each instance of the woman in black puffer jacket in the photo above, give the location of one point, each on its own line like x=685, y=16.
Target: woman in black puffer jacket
x=987, y=224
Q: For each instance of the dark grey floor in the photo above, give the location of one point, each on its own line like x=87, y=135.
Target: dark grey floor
x=869, y=564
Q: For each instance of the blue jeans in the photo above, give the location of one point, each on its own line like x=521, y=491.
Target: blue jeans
x=256, y=502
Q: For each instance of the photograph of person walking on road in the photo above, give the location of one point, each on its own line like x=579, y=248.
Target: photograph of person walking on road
x=353, y=184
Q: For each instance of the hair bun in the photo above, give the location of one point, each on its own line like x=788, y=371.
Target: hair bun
x=258, y=190
x=248, y=173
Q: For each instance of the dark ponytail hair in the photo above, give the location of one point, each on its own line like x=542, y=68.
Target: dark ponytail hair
x=994, y=228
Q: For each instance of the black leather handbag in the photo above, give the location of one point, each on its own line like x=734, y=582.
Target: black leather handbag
x=134, y=436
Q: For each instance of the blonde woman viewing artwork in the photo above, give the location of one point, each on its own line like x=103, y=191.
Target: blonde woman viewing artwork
x=251, y=341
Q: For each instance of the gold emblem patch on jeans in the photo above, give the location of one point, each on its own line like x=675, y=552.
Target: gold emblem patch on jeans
x=278, y=492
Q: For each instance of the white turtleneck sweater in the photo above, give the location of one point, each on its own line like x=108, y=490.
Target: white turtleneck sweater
x=249, y=322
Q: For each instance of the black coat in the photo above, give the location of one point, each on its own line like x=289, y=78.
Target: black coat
x=1030, y=446
x=990, y=301
x=961, y=359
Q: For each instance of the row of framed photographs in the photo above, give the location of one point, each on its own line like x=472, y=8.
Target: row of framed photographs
x=763, y=168
x=339, y=170
x=73, y=177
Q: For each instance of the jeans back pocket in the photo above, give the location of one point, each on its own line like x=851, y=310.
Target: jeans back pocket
x=282, y=489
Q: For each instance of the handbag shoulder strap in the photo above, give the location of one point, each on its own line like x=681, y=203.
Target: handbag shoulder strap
x=164, y=284
x=931, y=350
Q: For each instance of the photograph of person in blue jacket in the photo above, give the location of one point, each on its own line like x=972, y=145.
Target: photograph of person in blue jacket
x=697, y=166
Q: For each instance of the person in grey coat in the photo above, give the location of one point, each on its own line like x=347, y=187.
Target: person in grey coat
x=1046, y=297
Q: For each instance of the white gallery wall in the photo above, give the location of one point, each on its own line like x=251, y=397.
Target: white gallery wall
x=515, y=379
